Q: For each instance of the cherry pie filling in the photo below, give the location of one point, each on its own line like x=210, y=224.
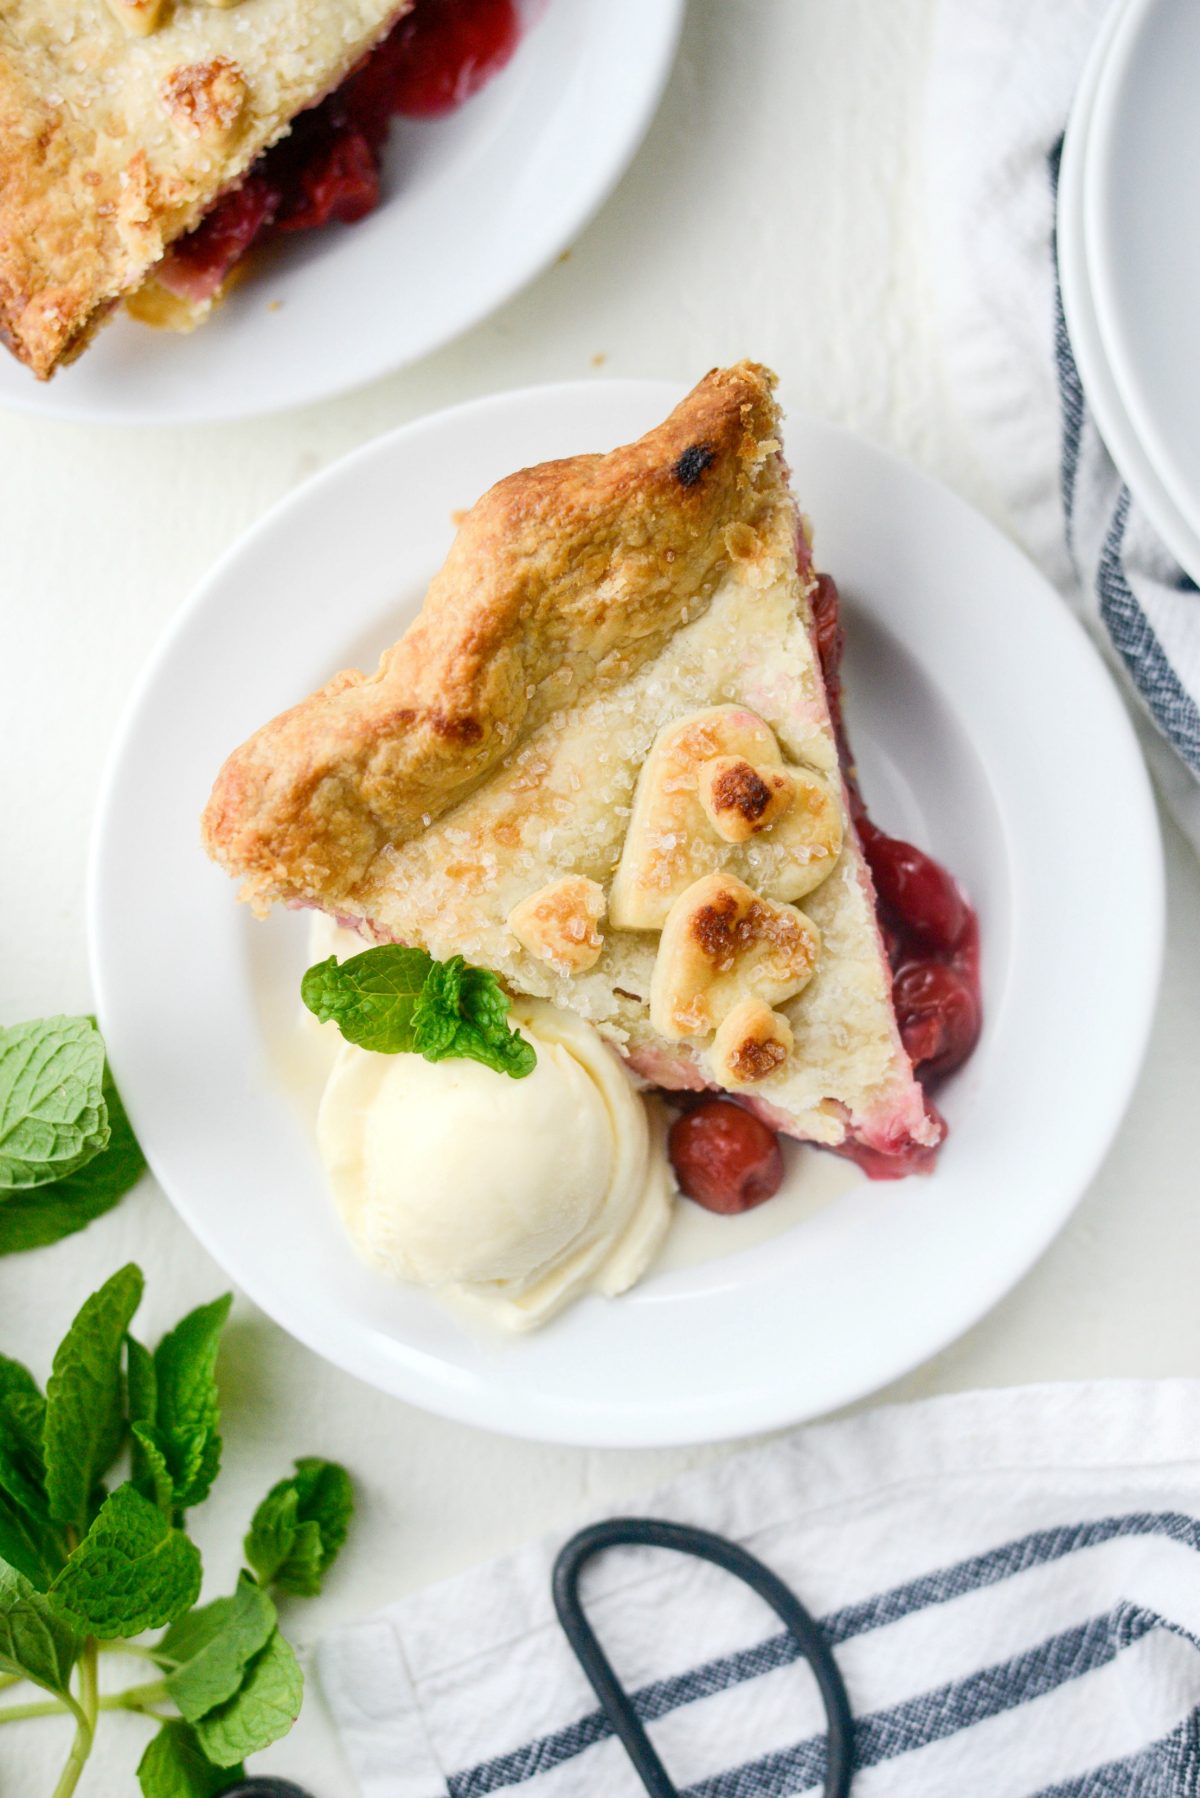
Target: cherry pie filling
x=328, y=167
x=931, y=936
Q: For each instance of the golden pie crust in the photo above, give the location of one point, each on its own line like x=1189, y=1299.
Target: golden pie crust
x=113, y=142
x=586, y=607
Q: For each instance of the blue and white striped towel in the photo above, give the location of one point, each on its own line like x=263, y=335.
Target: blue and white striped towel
x=1003, y=75
x=1011, y=1582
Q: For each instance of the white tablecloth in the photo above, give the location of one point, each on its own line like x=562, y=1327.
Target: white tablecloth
x=773, y=212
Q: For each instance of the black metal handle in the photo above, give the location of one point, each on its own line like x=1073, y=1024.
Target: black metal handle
x=651, y=1532
x=266, y=1788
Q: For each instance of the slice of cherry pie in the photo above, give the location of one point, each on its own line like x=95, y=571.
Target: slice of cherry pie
x=606, y=761
x=147, y=145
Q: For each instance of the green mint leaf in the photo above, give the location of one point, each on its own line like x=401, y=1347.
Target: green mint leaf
x=187, y=1410
x=34, y=1549
x=214, y=1646
x=45, y=1214
x=22, y=1425
x=52, y=1113
x=394, y=1000
x=272, y=1533
x=141, y=1383
x=150, y=1474
x=371, y=996
x=263, y=1709
x=131, y=1572
x=300, y=1526
x=19, y=1481
x=34, y=1643
x=85, y=1422
x=278, y=1541
x=175, y=1766
x=149, y=1469
x=17, y=1381
x=463, y=1011
x=28, y=1540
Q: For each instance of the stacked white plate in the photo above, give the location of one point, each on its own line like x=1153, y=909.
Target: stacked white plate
x=1129, y=256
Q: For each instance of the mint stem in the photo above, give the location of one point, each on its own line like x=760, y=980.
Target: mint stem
x=136, y=1698
x=85, y=1721
x=141, y=1649
x=42, y=1707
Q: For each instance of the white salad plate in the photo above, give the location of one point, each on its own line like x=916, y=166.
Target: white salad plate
x=476, y=204
x=1113, y=421
x=986, y=729
x=1142, y=220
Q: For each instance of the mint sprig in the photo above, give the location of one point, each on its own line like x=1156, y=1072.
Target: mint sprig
x=82, y=1566
x=394, y=1000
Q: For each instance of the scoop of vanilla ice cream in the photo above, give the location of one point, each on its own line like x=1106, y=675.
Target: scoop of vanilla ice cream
x=512, y=1195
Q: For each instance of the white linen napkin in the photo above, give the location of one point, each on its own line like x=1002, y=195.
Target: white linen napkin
x=1002, y=79
x=1010, y=1581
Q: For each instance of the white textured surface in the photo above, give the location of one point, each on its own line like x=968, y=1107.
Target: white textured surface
x=773, y=212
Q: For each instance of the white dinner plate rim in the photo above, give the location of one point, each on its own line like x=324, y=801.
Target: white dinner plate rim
x=1103, y=169
x=1083, y=327
x=526, y=1418
x=660, y=23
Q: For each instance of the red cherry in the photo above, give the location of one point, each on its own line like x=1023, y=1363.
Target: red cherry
x=725, y=1158
x=338, y=179
x=447, y=51
x=199, y=262
x=827, y=627
x=921, y=895
x=938, y=1014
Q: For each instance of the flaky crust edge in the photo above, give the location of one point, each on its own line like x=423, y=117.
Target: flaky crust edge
x=564, y=578
x=68, y=254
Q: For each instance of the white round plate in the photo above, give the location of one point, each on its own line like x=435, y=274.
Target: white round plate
x=476, y=204
x=1091, y=358
x=1142, y=223
x=986, y=729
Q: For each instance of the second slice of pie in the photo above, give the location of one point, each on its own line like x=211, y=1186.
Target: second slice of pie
x=602, y=763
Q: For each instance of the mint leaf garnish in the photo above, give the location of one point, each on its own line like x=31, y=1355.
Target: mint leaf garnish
x=213, y=1647
x=85, y=1418
x=464, y=1011
x=131, y=1572
x=52, y=1112
x=371, y=996
x=34, y=1218
x=34, y=1643
x=299, y=1527
x=264, y=1708
x=394, y=1000
x=175, y=1766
